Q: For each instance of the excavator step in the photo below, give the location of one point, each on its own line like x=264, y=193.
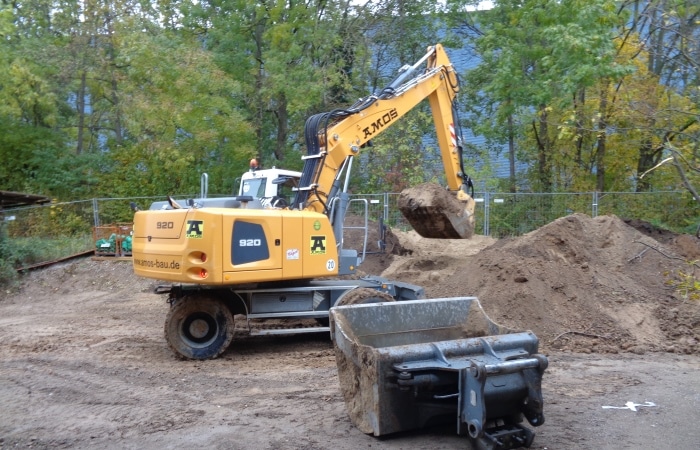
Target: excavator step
x=276, y=331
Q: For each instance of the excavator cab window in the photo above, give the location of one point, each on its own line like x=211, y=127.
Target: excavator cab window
x=254, y=187
x=285, y=187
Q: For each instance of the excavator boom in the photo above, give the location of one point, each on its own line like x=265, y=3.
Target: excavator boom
x=335, y=137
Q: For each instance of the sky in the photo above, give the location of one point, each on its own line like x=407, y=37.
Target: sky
x=482, y=6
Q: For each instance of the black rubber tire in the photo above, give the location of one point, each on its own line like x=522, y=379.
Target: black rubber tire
x=361, y=296
x=199, y=327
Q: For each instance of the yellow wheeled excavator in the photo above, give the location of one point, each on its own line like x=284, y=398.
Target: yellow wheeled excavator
x=264, y=259
x=242, y=255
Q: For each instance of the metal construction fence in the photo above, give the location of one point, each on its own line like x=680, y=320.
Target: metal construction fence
x=505, y=214
x=497, y=214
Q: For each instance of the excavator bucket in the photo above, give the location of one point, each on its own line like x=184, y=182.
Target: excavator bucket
x=437, y=213
x=417, y=363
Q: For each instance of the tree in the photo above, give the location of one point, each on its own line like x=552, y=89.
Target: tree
x=290, y=58
x=537, y=58
x=669, y=45
x=182, y=120
x=32, y=144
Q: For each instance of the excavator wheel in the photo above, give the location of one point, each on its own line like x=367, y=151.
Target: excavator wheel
x=360, y=296
x=199, y=327
x=437, y=213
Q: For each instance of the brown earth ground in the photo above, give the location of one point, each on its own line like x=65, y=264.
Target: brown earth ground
x=83, y=361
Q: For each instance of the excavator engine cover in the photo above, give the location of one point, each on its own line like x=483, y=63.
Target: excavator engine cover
x=435, y=212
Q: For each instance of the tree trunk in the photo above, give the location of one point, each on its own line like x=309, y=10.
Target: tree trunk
x=282, y=121
x=543, y=148
x=118, y=132
x=257, y=96
x=579, y=101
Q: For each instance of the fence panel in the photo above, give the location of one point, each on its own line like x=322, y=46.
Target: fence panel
x=46, y=232
x=504, y=214
x=677, y=210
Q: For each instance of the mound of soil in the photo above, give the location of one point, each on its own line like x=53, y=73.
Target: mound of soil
x=580, y=284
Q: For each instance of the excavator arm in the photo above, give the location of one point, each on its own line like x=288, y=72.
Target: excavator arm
x=334, y=138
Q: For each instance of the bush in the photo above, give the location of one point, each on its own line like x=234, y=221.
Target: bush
x=8, y=258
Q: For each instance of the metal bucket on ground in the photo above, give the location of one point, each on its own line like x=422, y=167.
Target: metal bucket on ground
x=412, y=364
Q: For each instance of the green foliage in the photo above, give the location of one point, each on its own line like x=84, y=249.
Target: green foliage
x=669, y=211
x=535, y=57
x=686, y=284
x=133, y=98
x=292, y=59
x=517, y=214
x=36, y=250
x=27, y=96
x=183, y=121
x=18, y=252
x=63, y=219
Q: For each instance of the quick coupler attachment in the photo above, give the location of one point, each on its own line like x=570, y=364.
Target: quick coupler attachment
x=494, y=397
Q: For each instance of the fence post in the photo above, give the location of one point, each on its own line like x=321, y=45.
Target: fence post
x=95, y=212
x=594, y=206
x=487, y=224
x=386, y=207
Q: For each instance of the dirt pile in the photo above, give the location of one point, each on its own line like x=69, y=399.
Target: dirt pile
x=580, y=284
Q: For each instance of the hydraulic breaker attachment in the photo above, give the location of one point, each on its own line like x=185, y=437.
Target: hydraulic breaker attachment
x=418, y=363
x=435, y=212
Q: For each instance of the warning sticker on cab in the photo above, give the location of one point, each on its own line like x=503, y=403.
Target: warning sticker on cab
x=318, y=245
x=195, y=228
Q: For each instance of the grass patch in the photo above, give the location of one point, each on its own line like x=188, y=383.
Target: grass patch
x=19, y=252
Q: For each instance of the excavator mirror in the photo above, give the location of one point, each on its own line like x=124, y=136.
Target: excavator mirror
x=173, y=203
x=281, y=180
x=286, y=180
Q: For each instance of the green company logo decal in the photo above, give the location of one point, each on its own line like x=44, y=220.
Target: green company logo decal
x=318, y=245
x=317, y=225
x=194, y=229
